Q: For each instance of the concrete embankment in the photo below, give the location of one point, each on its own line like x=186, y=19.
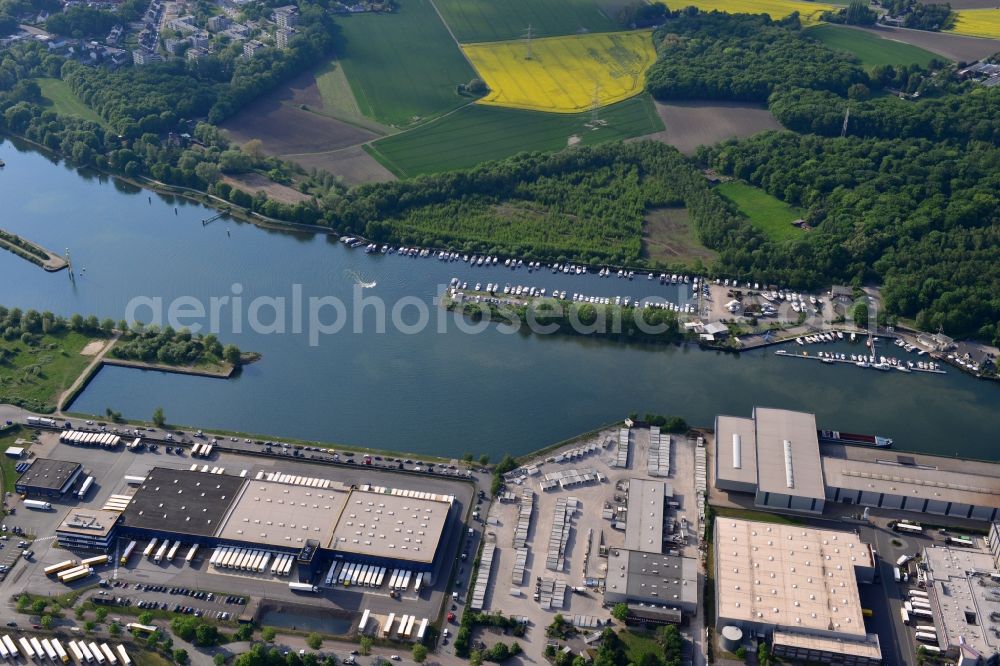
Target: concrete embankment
x=32, y=252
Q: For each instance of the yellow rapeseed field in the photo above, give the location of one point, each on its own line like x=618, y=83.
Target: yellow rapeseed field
x=564, y=73
x=809, y=12
x=977, y=22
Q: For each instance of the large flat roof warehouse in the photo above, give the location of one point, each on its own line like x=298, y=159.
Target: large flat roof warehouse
x=49, y=474
x=182, y=502
x=644, y=524
x=973, y=483
x=788, y=442
x=394, y=524
x=284, y=515
x=799, y=578
x=965, y=596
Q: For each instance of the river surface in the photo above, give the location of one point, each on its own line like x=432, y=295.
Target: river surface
x=428, y=391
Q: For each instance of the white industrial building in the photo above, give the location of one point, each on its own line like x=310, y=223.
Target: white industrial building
x=798, y=585
x=776, y=456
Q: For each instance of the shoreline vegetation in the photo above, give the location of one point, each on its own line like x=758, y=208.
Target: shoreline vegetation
x=32, y=252
x=43, y=355
x=563, y=317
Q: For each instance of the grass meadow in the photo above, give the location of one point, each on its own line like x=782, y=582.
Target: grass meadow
x=479, y=133
x=564, y=74
x=402, y=67
x=493, y=20
x=772, y=216
x=870, y=49
x=63, y=101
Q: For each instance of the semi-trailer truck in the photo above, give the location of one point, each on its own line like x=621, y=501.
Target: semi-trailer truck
x=37, y=505
x=302, y=587
x=127, y=552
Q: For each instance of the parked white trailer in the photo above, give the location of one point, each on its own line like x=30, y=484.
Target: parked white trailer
x=422, y=630
x=112, y=659
x=172, y=553
x=192, y=551
x=287, y=569
x=387, y=627
x=381, y=577
x=417, y=582
x=148, y=550
x=77, y=653
x=87, y=654
x=406, y=581
x=61, y=651
x=95, y=650
x=9, y=643
x=85, y=488
x=295, y=586
x=123, y=656
x=26, y=649
x=50, y=651
x=3, y=651
x=264, y=562
x=37, y=648
x=127, y=552
x=160, y=552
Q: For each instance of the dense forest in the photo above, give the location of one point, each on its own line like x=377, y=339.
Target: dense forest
x=964, y=117
x=585, y=204
x=743, y=57
x=922, y=218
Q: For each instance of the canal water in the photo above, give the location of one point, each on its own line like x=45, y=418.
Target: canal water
x=438, y=390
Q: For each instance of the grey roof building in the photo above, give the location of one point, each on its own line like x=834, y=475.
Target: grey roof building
x=775, y=455
x=644, y=524
x=652, y=581
x=48, y=477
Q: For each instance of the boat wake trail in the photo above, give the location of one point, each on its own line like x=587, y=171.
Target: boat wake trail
x=359, y=280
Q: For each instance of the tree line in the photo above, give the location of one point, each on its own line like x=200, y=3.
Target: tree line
x=743, y=57
x=969, y=116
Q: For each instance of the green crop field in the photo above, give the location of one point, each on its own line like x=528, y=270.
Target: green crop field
x=63, y=101
x=479, y=133
x=870, y=49
x=770, y=215
x=403, y=67
x=496, y=20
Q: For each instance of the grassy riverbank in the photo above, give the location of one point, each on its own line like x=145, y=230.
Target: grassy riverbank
x=34, y=371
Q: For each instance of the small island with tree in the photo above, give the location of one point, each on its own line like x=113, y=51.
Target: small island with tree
x=165, y=348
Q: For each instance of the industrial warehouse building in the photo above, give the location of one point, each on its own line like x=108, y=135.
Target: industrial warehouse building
x=791, y=478
x=87, y=529
x=964, y=588
x=47, y=477
x=798, y=585
x=776, y=456
x=296, y=515
x=658, y=588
